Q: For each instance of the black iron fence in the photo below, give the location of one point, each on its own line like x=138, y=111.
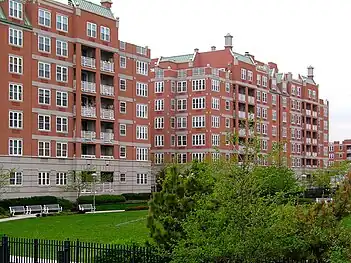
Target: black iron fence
x=23, y=250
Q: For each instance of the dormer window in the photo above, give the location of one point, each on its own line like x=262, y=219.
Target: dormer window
x=15, y=9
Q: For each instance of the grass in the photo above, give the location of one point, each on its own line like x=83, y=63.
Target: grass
x=117, y=228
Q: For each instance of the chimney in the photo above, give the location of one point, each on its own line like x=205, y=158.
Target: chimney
x=196, y=50
x=310, y=72
x=228, y=41
x=213, y=48
x=106, y=3
x=247, y=54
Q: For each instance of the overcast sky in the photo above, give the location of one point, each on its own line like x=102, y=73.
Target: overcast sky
x=292, y=33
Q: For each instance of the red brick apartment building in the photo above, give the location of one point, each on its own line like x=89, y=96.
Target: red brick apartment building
x=339, y=151
x=74, y=97
x=200, y=96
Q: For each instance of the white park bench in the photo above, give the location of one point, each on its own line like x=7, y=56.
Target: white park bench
x=17, y=210
x=86, y=207
x=324, y=200
x=34, y=209
x=52, y=208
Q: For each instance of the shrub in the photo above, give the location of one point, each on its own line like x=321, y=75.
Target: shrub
x=137, y=196
x=3, y=212
x=101, y=199
x=36, y=200
x=134, y=208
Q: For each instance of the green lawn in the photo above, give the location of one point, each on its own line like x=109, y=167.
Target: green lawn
x=117, y=228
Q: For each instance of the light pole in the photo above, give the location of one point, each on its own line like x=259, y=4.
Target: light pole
x=94, y=175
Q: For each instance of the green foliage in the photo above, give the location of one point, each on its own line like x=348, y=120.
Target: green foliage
x=101, y=199
x=135, y=208
x=137, y=196
x=36, y=200
x=79, y=181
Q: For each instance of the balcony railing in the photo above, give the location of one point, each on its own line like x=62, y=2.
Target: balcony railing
x=88, y=62
x=348, y=150
x=308, y=126
x=308, y=112
x=107, y=157
x=99, y=187
x=88, y=135
x=308, y=153
x=88, y=86
x=88, y=156
x=106, y=136
x=242, y=114
x=314, y=127
x=314, y=114
x=314, y=141
x=251, y=100
x=107, y=66
x=107, y=114
x=107, y=90
x=242, y=97
x=314, y=154
x=308, y=140
x=242, y=132
x=88, y=111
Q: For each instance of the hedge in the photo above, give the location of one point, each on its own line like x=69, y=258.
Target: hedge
x=36, y=200
x=101, y=199
x=137, y=196
x=134, y=208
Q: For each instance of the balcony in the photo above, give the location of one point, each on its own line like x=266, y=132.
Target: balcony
x=107, y=66
x=308, y=126
x=251, y=115
x=88, y=156
x=314, y=154
x=242, y=132
x=308, y=112
x=88, y=135
x=308, y=153
x=88, y=62
x=308, y=140
x=88, y=87
x=109, y=157
x=251, y=100
x=314, y=114
x=107, y=114
x=106, y=136
x=314, y=141
x=242, y=97
x=242, y=114
x=88, y=111
x=107, y=90
x=348, y=150
x=314, y=127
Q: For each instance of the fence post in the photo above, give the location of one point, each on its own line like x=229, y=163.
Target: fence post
x=77, y=251
x=4, y=250
x=67, y=252
x=36, y=251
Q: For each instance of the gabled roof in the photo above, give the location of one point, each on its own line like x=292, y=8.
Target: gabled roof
x=93, y=8
x=245, y=59
x=178, y=59
x=307, y=80
x=27, y=23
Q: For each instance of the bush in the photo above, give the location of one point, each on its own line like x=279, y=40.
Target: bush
x=101, y=199
x=135, y=208
x=36, y=200
x=137, y=196
x=3, y=212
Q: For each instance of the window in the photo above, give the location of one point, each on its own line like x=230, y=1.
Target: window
x=215, y=85
x=198, y=121
x=142, y=154
x=159, y=158
x=61, y=124
x=122, y=62
x=61, y=99
x=141, y=89
x=44, y=44
x=15, y=9
x=243, y=74
x=227, y=122
x=122, y=129
x=44, y=18
x=258, y=112
x=198, y=156
x=159, y=140
x=227, y=87
x=264, y=129
x=159, y=87
x=61, y=73
x=141, y=111
x=198, y=139
x=122, y=152
x=258, y=95
x=182, y=140
x=62, y=23
x=44, y=178
x=274, y=99
x=274, y=130
x=122, y=178
x=15, y=147
x=173, y=104
x=264, y=97
x=142, y=132
x=264, y=81
x=181, y=158
x=142, y=68
x=15, y=64
x=159, y=122
x=44, y=96
x=43, y=149
x=172, y=140
x=122, y=107
x=258, y=127
x=198, y=84
x=141, y=50
x=181, y=86
x=61, y=48
x=181, y=104
x=44, y=122
x=258, y=79
x=15, y=37
x=264, y=145
x=159, y=105
x=198, y=103
x=15, y=92
x=16, y=119
x=61, y=149
x=215, y=139
x=298, y=91
x=274, y=115
x=215, y=121
x=61, y=178
x=284, y=132
x=159, y=73
x=122, y=45
x=141, y=178
x=172, y=122
x=249, y=75
x=16, y=178
x=44, y=70
x=284, y=117
x=227, y=105
x=215, y=103
x=264, y=113
x=105, y=33
x=173, y=86
x=91, y=29
x=181, y=122
x=123, y=84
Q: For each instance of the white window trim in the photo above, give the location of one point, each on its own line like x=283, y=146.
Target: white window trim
x=16, y=17
x=62, y=92
x=44, y=115
x=62, y=30
x=19, y=58
x=44, y=51
x=44, y=63
x=41, y=103
x=44, y=142
x=9, y=146
x=67, y=120
x=19, y=31
x=18, y=85
x=62, y=143
x=44, y=10
x=62, y=41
